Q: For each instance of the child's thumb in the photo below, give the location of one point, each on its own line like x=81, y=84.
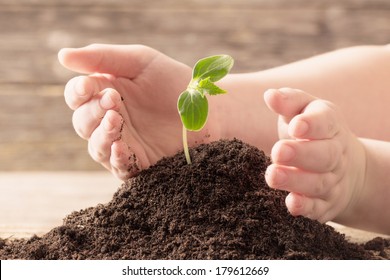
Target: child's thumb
x=117, y=60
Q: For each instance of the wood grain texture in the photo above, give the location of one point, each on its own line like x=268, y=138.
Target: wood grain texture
x=35, y=202
x=35, y=124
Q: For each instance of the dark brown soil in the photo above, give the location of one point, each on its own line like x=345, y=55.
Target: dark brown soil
x=217, y=208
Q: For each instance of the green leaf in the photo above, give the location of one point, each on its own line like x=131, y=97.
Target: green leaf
x=193, y=109
x=212, y=67
x=206, y=86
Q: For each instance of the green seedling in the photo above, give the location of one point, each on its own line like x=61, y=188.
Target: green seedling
x=192, y=103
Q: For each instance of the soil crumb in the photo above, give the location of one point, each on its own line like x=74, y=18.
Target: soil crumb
x=219, y=207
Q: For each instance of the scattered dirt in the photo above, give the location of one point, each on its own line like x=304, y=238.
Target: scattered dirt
x=217, y=208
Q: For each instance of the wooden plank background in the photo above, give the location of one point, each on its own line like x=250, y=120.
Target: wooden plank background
x=35, y=202
x=35, y=124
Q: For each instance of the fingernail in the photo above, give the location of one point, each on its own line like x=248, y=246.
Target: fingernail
x=285, y=91
x=286, y=153
x=300, y=128
x=294, y=204
x=108, y=126
x=280, y=177
x=106, y=102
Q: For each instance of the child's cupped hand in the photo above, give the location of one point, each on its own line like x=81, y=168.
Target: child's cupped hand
x=125, y=105
x=318, y=159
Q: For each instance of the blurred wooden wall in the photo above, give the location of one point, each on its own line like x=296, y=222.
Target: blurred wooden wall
x=35, y=124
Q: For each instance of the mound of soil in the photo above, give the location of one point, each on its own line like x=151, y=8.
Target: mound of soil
x=219, y=207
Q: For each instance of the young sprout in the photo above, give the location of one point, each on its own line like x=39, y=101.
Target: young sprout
x=192, y=103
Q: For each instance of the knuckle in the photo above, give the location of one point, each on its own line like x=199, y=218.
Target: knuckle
x=75, y=93
x=320, y=188
x=96, y=112
x=333, y=117
x=79, y=90
x=331, y=156
x=324, y=186
x=326, y=123
x=334, y=155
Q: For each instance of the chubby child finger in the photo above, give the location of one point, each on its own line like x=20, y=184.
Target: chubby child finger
x=312, y=208
x=123, y=160
x=296, y=180
x=287, y=102
x=109, y=130
x=314, y=156
x=319, y=120
x=88, y=116
x=81, y=89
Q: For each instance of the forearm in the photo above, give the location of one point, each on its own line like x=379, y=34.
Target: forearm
x=243, y=113
x=355, y=79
